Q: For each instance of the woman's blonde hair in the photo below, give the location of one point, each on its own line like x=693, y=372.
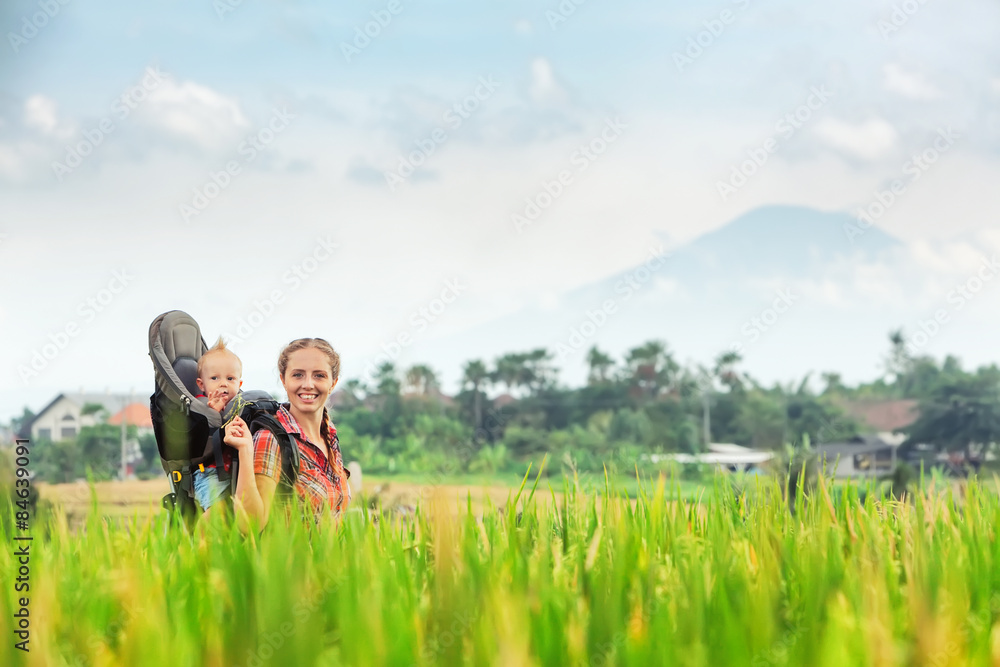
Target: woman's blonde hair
x=303, y=343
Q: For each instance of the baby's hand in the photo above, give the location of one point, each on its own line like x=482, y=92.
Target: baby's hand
x=238, y=434
x=217, y=400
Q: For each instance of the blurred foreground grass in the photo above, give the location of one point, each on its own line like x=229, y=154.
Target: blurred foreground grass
x=735, y=577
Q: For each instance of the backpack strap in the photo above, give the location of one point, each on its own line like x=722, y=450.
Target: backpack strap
x=287, y=448
x=261, y=415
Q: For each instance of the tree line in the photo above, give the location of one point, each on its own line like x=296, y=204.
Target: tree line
x=514, y=409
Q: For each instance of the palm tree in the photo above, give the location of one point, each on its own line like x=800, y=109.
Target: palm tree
x=476, y=375
x=725, y=369
x=600, y=363
x=421, y=379
x=899, y=363
x=652, y=368
x=512, y=371
x=833, y=381
x=355, y=391
x=385, y=379
x=539, y=373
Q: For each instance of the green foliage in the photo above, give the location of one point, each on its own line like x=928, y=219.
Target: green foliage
x=961, y=412
x=92, y=409
x=631, y=425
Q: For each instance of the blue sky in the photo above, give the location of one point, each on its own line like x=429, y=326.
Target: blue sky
x=558, y=85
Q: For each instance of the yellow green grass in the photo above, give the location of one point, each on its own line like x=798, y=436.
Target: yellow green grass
x=733, y=578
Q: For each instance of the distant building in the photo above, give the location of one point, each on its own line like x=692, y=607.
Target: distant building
x=63, y=417
x=734, y=458
x=873, y=451
x=883, y=416
x=135, y=414
x=861, y=456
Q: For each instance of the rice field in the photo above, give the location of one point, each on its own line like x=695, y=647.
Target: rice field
x=736, y=577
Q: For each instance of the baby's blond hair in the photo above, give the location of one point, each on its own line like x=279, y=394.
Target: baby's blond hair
x=218, y=348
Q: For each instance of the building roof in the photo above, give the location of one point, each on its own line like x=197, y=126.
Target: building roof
x=110, y=402
x=503, y=400
x=136, y=414
x=725, y=458
x=883, y=415
x=835, y=449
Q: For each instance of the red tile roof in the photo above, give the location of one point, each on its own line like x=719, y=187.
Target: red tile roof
x=883, y=415
x=136, y=414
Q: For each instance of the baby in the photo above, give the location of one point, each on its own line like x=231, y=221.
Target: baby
x=219, y=378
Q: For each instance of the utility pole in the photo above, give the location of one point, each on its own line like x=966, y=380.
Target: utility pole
x=124, y=463
x=121, y=473
x=706, y=425
x=706, y=411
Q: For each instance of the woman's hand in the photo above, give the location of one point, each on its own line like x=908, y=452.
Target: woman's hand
x=238, y=435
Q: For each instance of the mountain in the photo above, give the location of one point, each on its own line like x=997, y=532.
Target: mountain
x=784, y=285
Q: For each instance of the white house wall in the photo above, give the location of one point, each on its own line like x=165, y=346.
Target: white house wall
x=52, y=421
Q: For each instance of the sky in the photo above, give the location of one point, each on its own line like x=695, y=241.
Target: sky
x=288, y=169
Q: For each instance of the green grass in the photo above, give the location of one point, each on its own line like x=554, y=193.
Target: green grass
x=582, y=579
x=587, y=482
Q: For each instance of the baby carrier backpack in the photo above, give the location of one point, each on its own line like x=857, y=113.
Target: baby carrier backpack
x=189, y=433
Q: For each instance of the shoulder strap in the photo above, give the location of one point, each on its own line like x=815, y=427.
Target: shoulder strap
x=263, y=418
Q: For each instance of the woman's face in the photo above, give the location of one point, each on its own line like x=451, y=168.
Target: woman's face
x=307, y=380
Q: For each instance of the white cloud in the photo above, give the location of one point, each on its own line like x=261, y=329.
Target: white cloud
x=868, y=140
x=545, y=89
x=40, y=113
x=194, y=112
x=523, y=26
x=10, y=162
x=548, y=300
x=946, y=258
x=908, y=84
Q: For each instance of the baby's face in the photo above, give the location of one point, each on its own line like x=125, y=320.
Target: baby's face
x=221, y=371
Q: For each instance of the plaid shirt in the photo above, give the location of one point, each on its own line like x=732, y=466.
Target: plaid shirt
x=320, y=481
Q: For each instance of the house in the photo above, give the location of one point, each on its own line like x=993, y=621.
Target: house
x=874, y=450
x=882, y=416
x=734, y=458
x=63, y=417
x=861, y=456
x=135, y=414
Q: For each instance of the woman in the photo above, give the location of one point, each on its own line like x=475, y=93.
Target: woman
x=309, y=369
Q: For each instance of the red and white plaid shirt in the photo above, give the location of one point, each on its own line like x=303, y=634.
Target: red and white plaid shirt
x=322, y=482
